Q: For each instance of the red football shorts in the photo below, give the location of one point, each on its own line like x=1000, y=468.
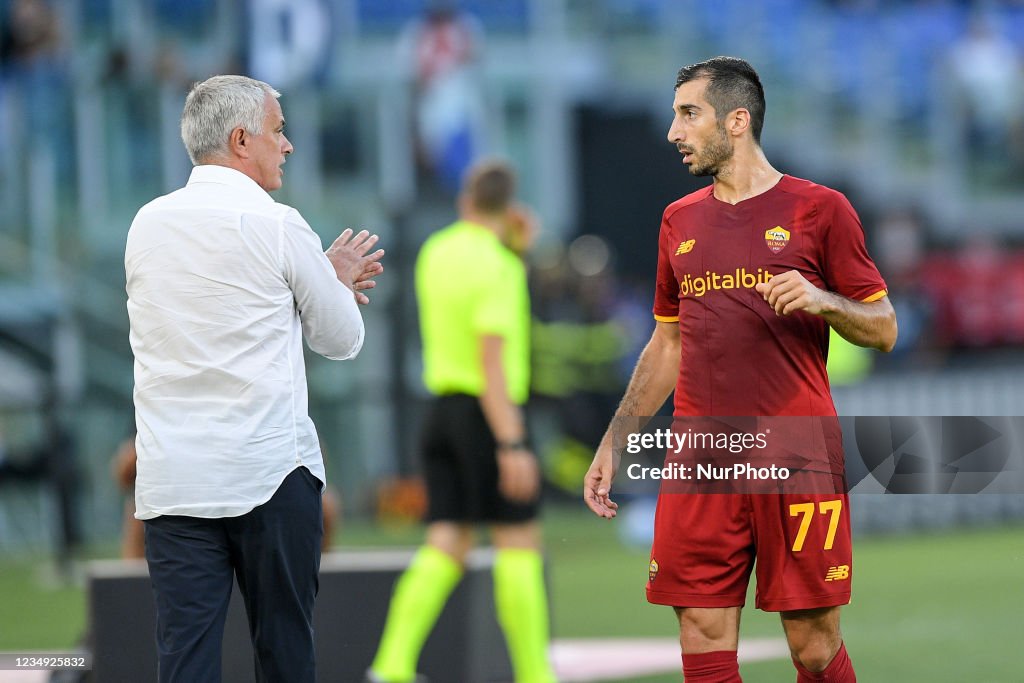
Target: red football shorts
x=705, y=546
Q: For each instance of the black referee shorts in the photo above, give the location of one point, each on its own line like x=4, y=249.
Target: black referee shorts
x=460, y=466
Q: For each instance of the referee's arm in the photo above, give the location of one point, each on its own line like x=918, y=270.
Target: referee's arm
x=518, y=475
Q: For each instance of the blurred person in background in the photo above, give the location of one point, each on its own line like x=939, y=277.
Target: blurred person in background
x=478, y=464
x=223, y=284
x=903, y=257
x=51, y=459
x=442, y=50
x=123, y=470
x=988, y=79
x=32, y=61
x=749, y=346
x=962, y=281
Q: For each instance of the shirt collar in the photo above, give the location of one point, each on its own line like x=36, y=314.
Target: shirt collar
x=478, y=227
x=222, y=175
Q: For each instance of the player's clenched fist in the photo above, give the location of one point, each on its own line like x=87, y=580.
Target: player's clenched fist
x=790, y=291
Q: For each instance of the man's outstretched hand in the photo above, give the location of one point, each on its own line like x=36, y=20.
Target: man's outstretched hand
x=597, y=485
x=356, y=269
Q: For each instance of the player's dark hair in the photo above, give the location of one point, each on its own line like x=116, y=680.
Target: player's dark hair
x=732, y=84
x=490, y=186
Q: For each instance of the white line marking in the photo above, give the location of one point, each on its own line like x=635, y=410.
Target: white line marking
x=603, y=659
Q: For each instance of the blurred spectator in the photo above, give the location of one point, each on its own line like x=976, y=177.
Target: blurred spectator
x=289, y=42
x=31, y=36
x=979, y=290
x=31, y=55
x=900, y=238
x=918, y=35
x=133, y=543
x=987, y=77
x=442, y=50
x=51, y=461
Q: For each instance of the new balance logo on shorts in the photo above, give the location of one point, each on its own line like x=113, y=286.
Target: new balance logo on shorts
x=840, y=573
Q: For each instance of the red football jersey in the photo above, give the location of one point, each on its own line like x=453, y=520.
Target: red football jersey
x=739, y=357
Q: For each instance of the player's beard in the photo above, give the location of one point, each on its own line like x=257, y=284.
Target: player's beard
x=716, y=153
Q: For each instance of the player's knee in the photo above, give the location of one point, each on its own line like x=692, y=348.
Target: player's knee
x=458, y=550
x=706, y=626
x=526, y=535
x=814, y=653
x=454, y=540
x=813, y=636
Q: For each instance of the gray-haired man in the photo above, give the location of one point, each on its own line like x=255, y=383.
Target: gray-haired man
x=223, y=284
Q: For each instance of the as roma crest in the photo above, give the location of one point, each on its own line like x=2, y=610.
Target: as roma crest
x=776, y=238
x=652, y=571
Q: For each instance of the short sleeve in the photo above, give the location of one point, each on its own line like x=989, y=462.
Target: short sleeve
x=499, y=299
x=666, y=289
x=848, y=270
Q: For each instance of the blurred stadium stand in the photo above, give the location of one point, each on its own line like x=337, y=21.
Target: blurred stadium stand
x=39, y=477
x=865, y=95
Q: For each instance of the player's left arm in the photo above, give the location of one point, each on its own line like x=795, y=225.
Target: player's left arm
x=864, y=323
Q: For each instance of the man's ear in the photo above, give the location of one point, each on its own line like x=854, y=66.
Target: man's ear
x=739, y=121
x=238, y=142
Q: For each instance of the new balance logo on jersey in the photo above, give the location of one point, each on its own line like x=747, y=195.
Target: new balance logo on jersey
x=685, y=247
x=840, y=573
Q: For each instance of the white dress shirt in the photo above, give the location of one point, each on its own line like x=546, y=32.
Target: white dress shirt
x=223, y=283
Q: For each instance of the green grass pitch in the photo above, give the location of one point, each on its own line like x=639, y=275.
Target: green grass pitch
x=944, y=607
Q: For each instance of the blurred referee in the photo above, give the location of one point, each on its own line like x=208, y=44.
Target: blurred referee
x=475, y=317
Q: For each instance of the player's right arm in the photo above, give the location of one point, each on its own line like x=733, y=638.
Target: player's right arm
x=654, y=378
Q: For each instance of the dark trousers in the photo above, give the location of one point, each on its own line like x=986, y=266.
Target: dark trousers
x=273, y=551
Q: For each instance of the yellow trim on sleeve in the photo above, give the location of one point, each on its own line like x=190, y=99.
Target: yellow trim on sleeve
x=667, y=318
x=876, y=296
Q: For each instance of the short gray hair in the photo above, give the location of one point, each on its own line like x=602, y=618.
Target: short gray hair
x=216, y=107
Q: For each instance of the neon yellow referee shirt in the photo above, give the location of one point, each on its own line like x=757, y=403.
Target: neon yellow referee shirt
x=468, y=284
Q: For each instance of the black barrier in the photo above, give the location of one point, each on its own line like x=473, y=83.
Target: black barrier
x=355, y=588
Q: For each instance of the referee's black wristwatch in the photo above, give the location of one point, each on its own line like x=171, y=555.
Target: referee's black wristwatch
x=517, y=445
